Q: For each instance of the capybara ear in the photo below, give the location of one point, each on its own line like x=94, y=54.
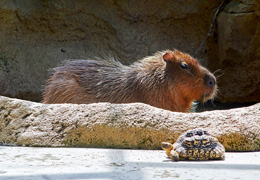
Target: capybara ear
x=168, y=57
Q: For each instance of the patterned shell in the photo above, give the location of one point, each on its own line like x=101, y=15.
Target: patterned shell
x=197, y=144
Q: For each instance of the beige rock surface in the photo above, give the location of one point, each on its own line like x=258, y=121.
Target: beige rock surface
x=121, y=125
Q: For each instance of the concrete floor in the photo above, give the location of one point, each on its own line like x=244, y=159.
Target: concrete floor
x=84, y=163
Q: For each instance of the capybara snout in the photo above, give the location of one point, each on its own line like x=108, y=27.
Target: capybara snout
x=210, y=80
x=210, y=90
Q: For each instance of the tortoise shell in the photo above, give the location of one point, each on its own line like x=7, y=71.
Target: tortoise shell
x=196, y=144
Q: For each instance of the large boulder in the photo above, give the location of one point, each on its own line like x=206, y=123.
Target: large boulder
x=121, y=125
x=239, y=51
x=38, y=35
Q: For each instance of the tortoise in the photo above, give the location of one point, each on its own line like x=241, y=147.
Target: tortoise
x=195, y=144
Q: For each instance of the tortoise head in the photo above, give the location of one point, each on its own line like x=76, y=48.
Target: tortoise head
x=167, y=147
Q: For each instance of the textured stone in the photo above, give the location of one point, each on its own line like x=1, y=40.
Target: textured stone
x=38, y=35
x=121, y=125
x=239, y=47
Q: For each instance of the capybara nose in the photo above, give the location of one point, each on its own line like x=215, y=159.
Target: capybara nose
x=210, y=80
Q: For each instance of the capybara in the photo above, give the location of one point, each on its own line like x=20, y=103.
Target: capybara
x=169, y=80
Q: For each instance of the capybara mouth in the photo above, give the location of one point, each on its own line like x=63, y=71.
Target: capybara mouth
x=208, y=96
x=205, y=97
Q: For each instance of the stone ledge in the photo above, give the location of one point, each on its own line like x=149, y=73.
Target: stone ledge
x=121, y=125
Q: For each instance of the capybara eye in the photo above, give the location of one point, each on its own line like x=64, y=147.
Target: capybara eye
x=184, y=65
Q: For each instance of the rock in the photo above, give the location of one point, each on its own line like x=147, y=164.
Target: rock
x=239, y=47
x=39, y=35
x=121, y=125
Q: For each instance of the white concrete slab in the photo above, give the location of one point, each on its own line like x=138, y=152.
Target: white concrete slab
x=83, y=163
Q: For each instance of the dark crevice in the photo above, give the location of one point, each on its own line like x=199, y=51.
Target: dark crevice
x=216, y=105
x=26, y=115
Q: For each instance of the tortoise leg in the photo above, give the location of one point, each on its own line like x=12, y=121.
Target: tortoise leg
x=175, y=155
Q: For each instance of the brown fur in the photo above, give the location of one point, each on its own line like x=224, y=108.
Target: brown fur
x=162, y=80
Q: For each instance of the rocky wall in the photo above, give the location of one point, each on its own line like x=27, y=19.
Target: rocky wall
x=38, y=35
x=239, y=51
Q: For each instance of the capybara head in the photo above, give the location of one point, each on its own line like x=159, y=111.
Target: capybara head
x=193, y=81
